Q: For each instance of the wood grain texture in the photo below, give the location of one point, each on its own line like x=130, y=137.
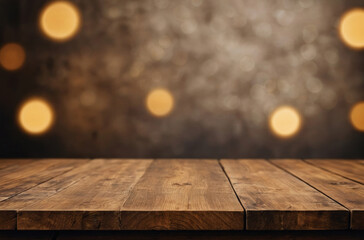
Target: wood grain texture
x=348, y=193
x=351, y=169
x=10, y=206
x=184, y=195
x=24, y=175
x=53, y=186
x=8, y=220
x=14, y=163
x=178, y=194
x=17, y=179
x=92, y=203
x=276, y=200
x=139, y=195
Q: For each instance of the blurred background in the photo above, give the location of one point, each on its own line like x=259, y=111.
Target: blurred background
x=182, y=78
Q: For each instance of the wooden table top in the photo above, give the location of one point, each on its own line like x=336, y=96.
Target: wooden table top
x=181, y=194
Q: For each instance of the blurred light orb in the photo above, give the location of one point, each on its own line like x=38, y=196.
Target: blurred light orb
x=285, y=121
x=160, y=102
x=60, y=20
x=357, y=116
x=12, y=56
x=351, y=28
x=35, y=116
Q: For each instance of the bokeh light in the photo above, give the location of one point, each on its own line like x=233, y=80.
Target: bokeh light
x=357, y=116
x=35, y=116
x=285, y=121
x=226, y=75
x=12, y=56
x=352, y=28
x=60, y=20
x=160, y=102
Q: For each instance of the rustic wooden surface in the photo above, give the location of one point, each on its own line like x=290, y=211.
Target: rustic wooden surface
x=275, y=200
x=348, y=193
x=14, y=163
x=91, y=203
x=351, y=169
x=139, y=195
x=24, y=175
x=180, y=194
x=184, y=195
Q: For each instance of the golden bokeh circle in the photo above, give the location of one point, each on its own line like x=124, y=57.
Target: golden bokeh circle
x=35, y=116
x=12, y=56
x=160, y=102
x=60, y=20
x=351, y=28
x=357, y=116
x=285, y=121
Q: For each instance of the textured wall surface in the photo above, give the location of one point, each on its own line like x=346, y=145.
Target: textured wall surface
x=227, y=63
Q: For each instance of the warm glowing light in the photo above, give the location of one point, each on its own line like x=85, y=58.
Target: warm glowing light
x=285, y=121
x=160, y=102
x=352, y=28
x=60, y=20
x=12, y=56
x=357, y=116
x=35, y=116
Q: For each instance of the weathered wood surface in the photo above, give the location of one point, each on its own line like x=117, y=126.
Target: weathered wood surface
x=180, y=194
x=48, y=188
x=276, y=200
x=16, y=179
x=348, y=193
x=138, y=195
x=14, y=163
x=24, y=175
x=351, y=169
x=56, y=184
x=92, y=203
x=184, y=195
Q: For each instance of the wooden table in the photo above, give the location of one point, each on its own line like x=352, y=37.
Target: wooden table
x=182, y=194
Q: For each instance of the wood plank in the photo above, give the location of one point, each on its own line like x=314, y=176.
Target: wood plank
x=16, y=180
x=53, y=186
x=139, y=194
x=184, y=194
x=7, y=220
x=276, y=200
x=351, y=169
x=14, y=163
x=348, y=193
x=19, y=178
x=10, y=206
x=91, y=203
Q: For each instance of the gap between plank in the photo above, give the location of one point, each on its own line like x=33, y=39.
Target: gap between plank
x=40, y=183
x=327, y=170
x=271, y=162
x=237, y=196
x=17, y=211
x=121, y=207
